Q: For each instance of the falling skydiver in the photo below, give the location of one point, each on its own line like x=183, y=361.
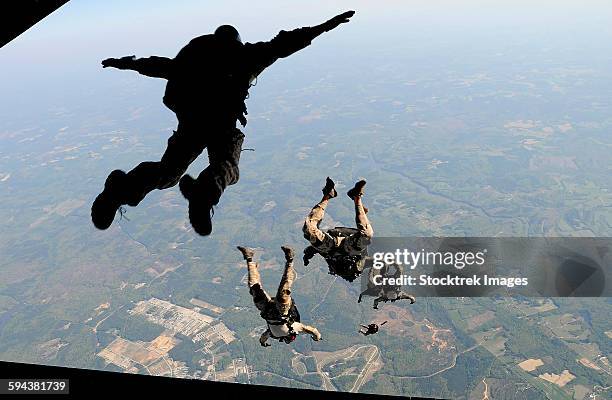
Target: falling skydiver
x=344, y=249
x=208, y=82
x=385, y=293
x=279, y=312
x=372, y=289
x=370, y=329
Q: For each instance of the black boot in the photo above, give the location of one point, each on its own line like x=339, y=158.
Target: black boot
x=329, y=188
x=247, y=252
x=200, y=206
x=357, y=190
x=107, y=203
x=187, y=186
x=289, y=253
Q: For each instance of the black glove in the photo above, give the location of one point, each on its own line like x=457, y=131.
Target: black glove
x=119, y=63
x=309, y=252
x=338, y=19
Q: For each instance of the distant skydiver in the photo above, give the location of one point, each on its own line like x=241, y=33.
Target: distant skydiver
x=279, y=312
x=372, y=289
x=344, y=249
x=386, y=293
x=370, y=329
x=208, y=82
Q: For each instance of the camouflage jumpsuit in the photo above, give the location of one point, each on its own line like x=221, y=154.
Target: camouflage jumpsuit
x=323, y=242
x=282, y=301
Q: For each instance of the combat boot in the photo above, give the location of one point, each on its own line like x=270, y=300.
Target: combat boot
x=200, y=205
x=289, y=253
x=329, y=188
x=357, y=190
x=107, y=203
x=247, y=252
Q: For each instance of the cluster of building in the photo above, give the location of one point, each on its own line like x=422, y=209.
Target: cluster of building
x=180, y=323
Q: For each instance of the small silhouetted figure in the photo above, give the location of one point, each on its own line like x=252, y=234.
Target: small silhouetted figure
x=208, y=82
x=385, y=292
x=370, y=329
x=344, y=249
x=279, y=312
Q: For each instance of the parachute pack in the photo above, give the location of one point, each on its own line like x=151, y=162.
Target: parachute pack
x=273, y=317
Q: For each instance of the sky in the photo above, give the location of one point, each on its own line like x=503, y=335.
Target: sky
x=88, y=27
x=62, y=53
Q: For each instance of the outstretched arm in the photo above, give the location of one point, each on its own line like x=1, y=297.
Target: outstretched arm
x=311, y=330
x=288, y=42
x=154, y=66
x=299, y=38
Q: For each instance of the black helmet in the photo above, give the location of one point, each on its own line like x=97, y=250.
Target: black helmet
x=228, y=32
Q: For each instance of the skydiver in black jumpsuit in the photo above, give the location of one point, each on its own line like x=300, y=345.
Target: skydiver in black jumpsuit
x=208, y=82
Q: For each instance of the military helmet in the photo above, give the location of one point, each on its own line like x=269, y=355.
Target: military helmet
x=228, y=33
